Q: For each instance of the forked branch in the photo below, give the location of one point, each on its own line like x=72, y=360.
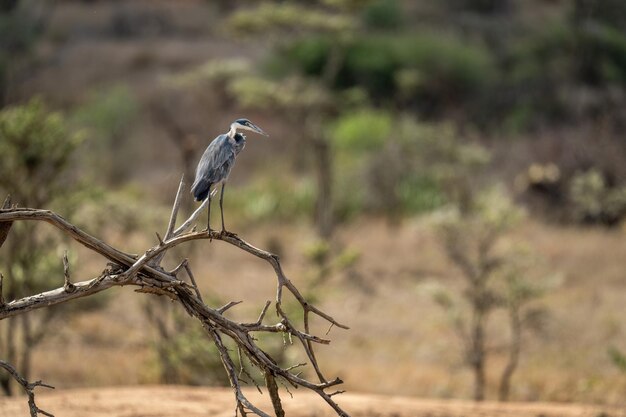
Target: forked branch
x=145, y=272
x=29, y=387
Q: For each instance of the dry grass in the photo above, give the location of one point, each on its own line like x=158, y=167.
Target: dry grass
x=175, y=401
x=400, y=341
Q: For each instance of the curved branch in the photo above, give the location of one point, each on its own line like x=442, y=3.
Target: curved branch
x=144, y=271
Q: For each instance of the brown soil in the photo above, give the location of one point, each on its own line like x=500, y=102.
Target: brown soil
x=178, y=401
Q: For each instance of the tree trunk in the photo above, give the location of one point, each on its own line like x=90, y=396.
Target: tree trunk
x=477, y=354
x=9, y=348
x=157, y=313
x=514, y=353
x=324, y=205
x=27, y=347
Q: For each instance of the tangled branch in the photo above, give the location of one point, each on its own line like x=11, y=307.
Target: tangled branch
x=145, y=272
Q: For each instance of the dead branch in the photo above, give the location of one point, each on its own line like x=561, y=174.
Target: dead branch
x=68, y=286
x=1, y=296
x=29, y=387
x=145, y=272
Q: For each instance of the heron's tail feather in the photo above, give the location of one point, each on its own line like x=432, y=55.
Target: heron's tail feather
x=201, y=189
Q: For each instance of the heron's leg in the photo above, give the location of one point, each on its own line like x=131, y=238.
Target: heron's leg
x=222, y=205
x=208, y=222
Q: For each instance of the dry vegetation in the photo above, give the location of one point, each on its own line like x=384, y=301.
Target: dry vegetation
x=560, y=364
x=400, y=343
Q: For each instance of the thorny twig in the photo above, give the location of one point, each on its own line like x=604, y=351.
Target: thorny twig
x=145, y=272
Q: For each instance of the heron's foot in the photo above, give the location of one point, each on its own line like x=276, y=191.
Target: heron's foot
x=210, y=232
x=225, y=232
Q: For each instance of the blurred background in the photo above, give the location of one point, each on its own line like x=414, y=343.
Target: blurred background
x=448, y=178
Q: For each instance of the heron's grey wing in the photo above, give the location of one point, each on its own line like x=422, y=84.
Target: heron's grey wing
x=214, y=166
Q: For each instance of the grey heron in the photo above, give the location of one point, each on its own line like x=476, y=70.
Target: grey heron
x=217, y=161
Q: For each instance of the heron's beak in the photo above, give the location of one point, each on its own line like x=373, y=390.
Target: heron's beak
x=258, y=130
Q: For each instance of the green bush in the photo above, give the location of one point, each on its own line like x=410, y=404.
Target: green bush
x=594, y=201
x=602, y=55
x=447, y=64
x=383, y=14
x=107, y=117
x=35, y=150
x=420, y=194
x=612, y=12
x=272, y=197
x=446, y=68
x=364, y=130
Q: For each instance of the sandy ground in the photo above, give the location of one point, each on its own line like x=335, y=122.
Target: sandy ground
x=178, y=401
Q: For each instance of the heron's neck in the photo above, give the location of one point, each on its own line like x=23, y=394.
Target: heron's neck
x=232, y=131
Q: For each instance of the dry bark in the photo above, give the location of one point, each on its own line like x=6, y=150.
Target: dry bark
x=145, y=273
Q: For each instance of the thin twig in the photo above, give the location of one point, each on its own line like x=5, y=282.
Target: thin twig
x=29, y=387
x=177, y=202
x=191, y=218
x=230, y=304
x=1, y=294
x=68, y=286
x=193, y=280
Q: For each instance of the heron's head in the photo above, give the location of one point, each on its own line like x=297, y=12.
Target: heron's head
x=245, y=124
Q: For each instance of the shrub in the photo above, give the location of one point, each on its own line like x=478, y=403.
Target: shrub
x=594, y=201
x=383, y=14
x=107, y=117
x=446, y=68
x=364, y=130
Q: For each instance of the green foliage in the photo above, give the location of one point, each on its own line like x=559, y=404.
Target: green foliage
x=36, y=166
x=108, y=112
x=383, y=14
x=215, y=72
x=327, y=261
x=547, y=64
x=605, y=55
x=307, y=55
x=419, y=194
x=618, y=358
x=477, y=6
x=293, y=93
x=107, y=116
x=196, y=361
x=400, y=166
x=612, y=12
x=447, y=64
x=491, y=215
x=272, y=197
x=268, y=17
x=318, y=252
x=594, y=201
x=441, y=162
x=35, y=150
x=364, y=130
x=443, y=67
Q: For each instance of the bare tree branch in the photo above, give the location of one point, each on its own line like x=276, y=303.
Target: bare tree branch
x=144, y=272
x=1, y=296
x=68, y=286
x=29, y=387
